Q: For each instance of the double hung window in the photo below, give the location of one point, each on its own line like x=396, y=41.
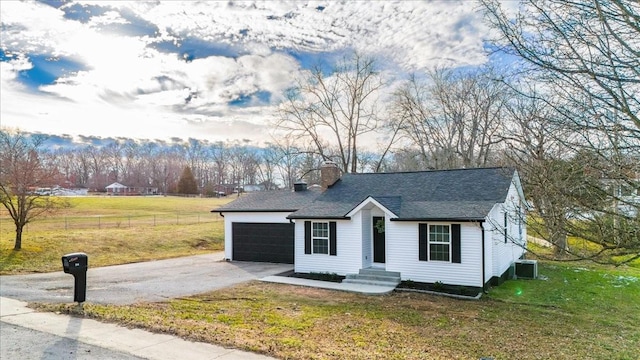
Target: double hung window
x=320, y=237
x=439, y=243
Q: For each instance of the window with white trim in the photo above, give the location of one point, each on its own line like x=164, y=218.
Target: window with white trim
x=320, y=237
x=439, y=242
x=506, y=226
x=520, y=219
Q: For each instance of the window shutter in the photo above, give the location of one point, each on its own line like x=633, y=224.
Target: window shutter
x=422, y=242
x=332, y=238
x=455, y=243
x=307, y=237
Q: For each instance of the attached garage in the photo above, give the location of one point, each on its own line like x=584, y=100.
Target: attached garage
x=256, y=227
x=263, y=242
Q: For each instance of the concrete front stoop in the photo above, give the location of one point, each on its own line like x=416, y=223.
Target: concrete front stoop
x=373, y=276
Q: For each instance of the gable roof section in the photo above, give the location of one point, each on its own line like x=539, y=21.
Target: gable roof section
x=270, y=201
x=462, y=194
x=389, y=204
x=116, y=185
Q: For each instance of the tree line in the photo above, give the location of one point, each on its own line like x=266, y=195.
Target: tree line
x=564, y=114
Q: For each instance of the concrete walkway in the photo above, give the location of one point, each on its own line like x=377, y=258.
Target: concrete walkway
x=136, y=342
x=358, y=288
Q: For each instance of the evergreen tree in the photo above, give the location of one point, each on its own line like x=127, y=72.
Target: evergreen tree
x=187, y=183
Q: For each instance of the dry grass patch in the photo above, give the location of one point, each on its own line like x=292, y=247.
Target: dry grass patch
x=42, y=250
x=131, y=242
x=293, y=322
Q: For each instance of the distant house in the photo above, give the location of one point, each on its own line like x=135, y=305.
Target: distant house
x=252, y=188
x=224, y=189
x=459, y=227
x=228, y=189
x=118, y=189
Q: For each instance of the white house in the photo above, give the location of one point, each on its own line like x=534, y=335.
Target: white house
x=458, y=227
x=118, y=189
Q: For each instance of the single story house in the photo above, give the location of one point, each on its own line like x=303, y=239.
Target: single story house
x=458, y=227
x=118, y=189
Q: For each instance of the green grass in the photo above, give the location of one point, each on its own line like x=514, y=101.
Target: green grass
x=584, y=312
x=45, y=241
x=579, y=310
x=584, y=247
x=142, y=205
x=578, y=245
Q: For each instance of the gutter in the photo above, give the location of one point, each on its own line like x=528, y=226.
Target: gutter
x=319, y=218
x=252, y=210
x=439, y=219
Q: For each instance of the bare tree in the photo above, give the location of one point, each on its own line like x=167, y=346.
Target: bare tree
x=99, y=167
x=452, y=119
x=335, y=110
x=532, y=146
x=220, y=156
x=587, y=54
x=287, y=158
x=277, y=165
x=243, y=165
x=584, y=46
x=21, y=174
x=310, y=165
x=82, y=168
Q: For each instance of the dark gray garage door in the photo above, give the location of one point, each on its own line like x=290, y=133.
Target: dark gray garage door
x=264, y=242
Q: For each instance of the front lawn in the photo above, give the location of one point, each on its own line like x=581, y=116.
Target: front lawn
x=42, y=249
x=584, y=312
x=114, y=230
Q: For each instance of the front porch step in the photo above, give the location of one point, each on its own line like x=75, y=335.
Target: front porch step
x=372, y=276
x=376, y=271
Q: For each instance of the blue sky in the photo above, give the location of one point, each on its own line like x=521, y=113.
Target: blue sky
x=213, y=70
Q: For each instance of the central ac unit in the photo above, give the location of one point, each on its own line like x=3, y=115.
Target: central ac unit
x=527, y=269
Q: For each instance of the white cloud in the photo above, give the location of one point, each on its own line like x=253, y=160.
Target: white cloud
x=129, y=88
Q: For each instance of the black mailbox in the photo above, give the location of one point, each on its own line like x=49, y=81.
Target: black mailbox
x=77, y=264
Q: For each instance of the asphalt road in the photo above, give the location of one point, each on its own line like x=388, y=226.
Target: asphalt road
x=148, y=281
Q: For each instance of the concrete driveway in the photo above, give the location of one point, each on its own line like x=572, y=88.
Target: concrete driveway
x=148, y=281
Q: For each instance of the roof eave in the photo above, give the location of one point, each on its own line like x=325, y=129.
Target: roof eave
x=252, y=210
x=319, y=217
x=448, y=219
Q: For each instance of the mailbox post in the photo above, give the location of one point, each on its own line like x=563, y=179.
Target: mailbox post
x=76, y=264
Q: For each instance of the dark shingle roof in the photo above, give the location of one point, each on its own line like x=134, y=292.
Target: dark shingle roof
x=463, y=194
x=270, y=201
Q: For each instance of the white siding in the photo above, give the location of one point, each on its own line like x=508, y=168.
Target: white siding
x=504, y=254
x=251, y=217
x=402, y=256
x=367, y=238
x=348, y=251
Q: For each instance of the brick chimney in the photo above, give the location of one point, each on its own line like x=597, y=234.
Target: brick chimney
x=329, y=174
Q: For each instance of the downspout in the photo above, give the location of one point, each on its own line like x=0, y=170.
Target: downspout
x=483, y=258
x=221, y=214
